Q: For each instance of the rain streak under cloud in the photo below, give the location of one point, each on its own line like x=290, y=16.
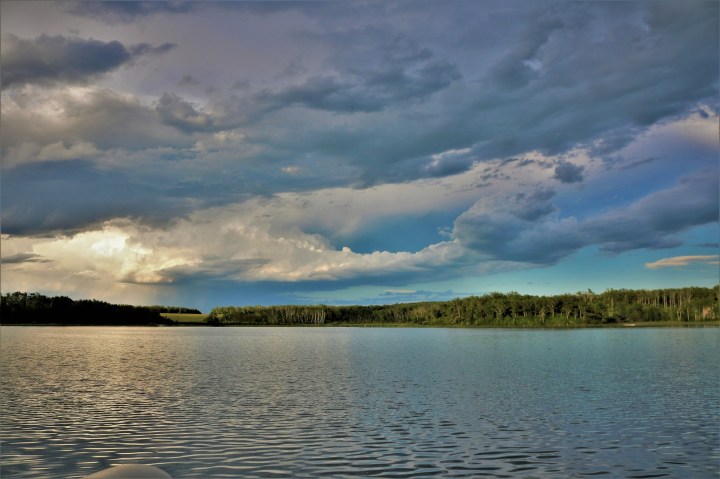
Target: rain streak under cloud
x=207, y=153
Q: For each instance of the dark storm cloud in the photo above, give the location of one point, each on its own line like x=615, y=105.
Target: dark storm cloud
x=72, y=195
x=525, y=228
x=653, y=221
x=449, y=163
x=568, y=173
x=324, y=93
x=127, y=11
x=539, y=95
x=57, y=59
x=521, y=227
x=534, y=206
x=630, y=75
x=227, y=113
x=393, y=102
x=175, y=111
x=402, y=72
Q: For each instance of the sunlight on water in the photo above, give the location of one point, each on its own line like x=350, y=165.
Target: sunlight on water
x=337, y=402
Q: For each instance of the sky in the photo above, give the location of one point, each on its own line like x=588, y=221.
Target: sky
x=347, y=152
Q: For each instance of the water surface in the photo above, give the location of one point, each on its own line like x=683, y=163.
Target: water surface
x=341, y=402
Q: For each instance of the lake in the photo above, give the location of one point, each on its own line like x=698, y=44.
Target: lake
x=360, y=402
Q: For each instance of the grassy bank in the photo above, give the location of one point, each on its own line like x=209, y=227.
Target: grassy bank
x=187, y=319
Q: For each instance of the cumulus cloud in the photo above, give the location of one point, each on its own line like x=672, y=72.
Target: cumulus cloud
x=77, y=120
x=49, y=60
x=449, y=162
x=179, y=113
x=59, y=151
x=361, y=126
x=566, y=172
x=231, y=113
x=271, y=240
x=653, y=221
x=528, y=229
x=31, y=194
x=221, y=245
x=678, y=261
x=245, y=244
x=535, y=205
x=522, y=228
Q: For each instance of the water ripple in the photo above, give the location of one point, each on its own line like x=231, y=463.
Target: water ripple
x=298, y=403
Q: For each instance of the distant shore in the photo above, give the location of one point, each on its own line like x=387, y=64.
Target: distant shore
x=199, y=324
x=661, y=324
x=679, y=307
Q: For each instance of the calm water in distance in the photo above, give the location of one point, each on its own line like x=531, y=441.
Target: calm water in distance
x=346, y=402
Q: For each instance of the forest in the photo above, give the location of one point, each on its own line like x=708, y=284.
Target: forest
x=692, y=305
x=33, y=308
x=585, y=308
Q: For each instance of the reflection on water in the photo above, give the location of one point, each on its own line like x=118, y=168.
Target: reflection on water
x=337, y=402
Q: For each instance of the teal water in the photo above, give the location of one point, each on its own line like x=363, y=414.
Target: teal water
x=344, y=402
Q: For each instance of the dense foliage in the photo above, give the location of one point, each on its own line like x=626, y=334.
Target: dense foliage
x=683, y=305
x=24, y=308
x=497, y=309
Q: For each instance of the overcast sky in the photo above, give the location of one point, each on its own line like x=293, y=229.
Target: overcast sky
x=231, y=153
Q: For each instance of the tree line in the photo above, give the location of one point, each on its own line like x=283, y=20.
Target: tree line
x=680, y=305
x=683, y=305
x=33, y=308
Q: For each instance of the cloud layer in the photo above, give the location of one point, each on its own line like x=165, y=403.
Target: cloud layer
x=48, y=60
x=342, y=144
x=527, y=228
x=679, y=261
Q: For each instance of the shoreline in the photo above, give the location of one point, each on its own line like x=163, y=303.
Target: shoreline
x=636, y=325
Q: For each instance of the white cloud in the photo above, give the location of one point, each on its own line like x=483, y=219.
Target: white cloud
x=236, y=243
x=289, y=237
x=679, y=261
x=68, y=120
x=290, y=170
